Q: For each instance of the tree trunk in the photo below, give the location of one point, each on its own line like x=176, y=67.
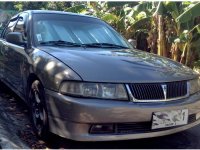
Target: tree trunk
x=153, y=36
x=183, y=56
x=188, y=56
x=162, y=50
x=175, y=49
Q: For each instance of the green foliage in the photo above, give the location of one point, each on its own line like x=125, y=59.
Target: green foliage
x=110, y=18
x=119, y=4
x=189, y=14
x=60, y=6
x=161, y=10
x=173, y=9
x=143, y=6
x=21, y=6
x=140, y=23
x=30, y=5
x=77, y=9
x=7, y=5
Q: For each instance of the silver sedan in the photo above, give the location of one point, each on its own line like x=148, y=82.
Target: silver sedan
x=83, y=81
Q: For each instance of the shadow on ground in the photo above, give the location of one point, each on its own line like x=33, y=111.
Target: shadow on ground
x=17, y=111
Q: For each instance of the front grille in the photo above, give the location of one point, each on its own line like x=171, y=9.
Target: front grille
x=154, y=91
x=140, y=127
x=144, y=127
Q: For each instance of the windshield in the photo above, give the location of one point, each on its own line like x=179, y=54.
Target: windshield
x=74, y=30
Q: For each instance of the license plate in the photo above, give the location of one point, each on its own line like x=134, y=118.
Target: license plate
x=169, y=118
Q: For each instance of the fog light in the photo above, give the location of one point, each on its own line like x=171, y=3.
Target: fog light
x=102, y=129
x=197, y=115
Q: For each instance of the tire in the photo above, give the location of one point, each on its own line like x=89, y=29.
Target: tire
x=38, y=110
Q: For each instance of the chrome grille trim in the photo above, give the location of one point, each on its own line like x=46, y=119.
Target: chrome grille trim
x=133, y=99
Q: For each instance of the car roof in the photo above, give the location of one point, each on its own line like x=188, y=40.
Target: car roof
x=57, y=12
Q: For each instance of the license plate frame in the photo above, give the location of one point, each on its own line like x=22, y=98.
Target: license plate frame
x=170, y=118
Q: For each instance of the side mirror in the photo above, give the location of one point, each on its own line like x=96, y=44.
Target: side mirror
x=15, y=38
x=133, y=42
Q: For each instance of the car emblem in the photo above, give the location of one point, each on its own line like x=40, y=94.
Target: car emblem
x=164, y=87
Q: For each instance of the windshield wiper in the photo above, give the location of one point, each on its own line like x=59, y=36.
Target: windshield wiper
x=60, y=43
x=98, y=45
x=104, y=45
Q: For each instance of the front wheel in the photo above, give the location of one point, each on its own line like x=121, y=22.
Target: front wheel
x=38, y=111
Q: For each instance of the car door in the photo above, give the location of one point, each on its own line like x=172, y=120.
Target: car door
x=3, y=47
x=15, y=56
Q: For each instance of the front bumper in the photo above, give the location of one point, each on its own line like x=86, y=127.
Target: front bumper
x=72, y=117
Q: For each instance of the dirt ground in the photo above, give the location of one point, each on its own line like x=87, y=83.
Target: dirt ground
x=15, y=124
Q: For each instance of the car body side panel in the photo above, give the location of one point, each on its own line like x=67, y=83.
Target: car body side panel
x=14, y=58
x=17, y=65
x=2, y=47
x=12, y=66
x=49, y=70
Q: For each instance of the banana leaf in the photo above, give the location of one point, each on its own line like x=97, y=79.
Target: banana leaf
x=128, y=10
x=196, y=45
x=173, y=9
x=130, y=19
x=121, y=24
x=141, y=15
x=161, y=10
x=110, y=18
x=77, y=8
x=195, y=28
x=186, y=3
x=189, y=14
x=187, y=25
x=118, y=4
x=143, y=6
x=142, y=22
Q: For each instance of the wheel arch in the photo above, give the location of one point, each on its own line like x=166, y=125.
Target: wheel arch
x=32, y=77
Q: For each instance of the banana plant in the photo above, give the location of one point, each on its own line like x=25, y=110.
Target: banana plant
x=191, y=27
x=177, y=31
x=77, y=9
x=159, y=18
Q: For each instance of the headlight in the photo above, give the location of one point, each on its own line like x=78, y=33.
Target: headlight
x=194, y=86
x=94, y=90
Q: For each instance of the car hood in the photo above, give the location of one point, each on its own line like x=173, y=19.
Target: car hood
x=122, y=66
